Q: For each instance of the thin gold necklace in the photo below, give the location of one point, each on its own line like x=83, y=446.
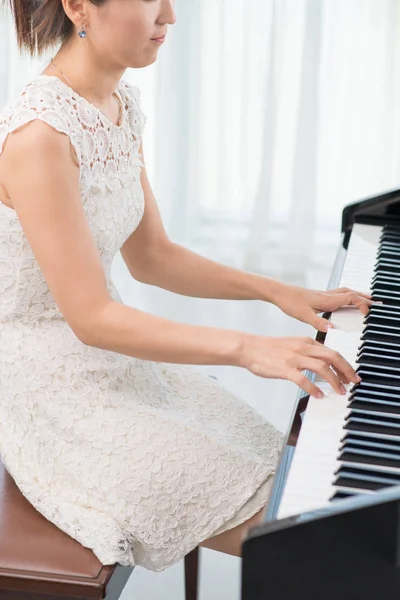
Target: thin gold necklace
x=76, y=91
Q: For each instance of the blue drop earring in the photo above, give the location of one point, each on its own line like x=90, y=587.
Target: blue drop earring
x=82, y=31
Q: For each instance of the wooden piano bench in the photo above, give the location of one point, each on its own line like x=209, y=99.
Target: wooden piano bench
x=38, y=561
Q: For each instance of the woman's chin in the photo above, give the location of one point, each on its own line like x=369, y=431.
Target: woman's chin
x=144, y=62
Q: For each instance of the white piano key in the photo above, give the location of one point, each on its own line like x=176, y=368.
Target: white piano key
x=310, y=481
x=309, y=484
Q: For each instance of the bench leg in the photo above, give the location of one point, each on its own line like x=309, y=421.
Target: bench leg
x=191, y=574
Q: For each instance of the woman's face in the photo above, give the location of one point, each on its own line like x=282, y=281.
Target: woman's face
x=124, y=29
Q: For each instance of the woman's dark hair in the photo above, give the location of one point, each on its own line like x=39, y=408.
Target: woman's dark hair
x=40, y=24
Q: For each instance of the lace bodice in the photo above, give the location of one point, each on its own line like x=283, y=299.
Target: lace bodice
x=109, y=179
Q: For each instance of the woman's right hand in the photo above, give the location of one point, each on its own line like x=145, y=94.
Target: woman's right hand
x=287, y=357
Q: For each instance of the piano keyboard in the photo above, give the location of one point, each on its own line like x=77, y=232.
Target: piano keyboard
x=350, y=444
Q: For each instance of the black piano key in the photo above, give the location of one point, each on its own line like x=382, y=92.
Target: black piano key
x=365, y=444
x=368, y=397
x=389, y=235
x=384, y=254
x=372, y=435
x=386, y=266
x=368, y=457
x=391, y=226
x=372, y=388
x=378, y=351
x=380, y=330
x=379, y=308
x=384, y=274
x=389, y=310
x=387, y=254
x=362, y=485
x=386, y=288
x=377, y=359
x=381, y=336
x=371, y=392
x=360, y=439
x=365, y=473
x=387, y=296
x=389, y=242
x=375, y=355
x=381, y=269
x=382, y=319
x=366, y=392
x=389, y=300
x=380, y=347
x=370, y=331
x=384, y=278
x=389, y=245
x=370, y=405
x=377, y=468
x=385, y=371
x=390, y=232
x=387, y=257
x=384, y=362
x=363, y=447
x=371, y=375
x=376, y=387
x=386, y=262
x=347, y=480
x=377, y=325
x=365, y=413
x=343, y=494
x=372, y=424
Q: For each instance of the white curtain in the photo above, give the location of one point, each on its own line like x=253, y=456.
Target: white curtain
x=264, y=119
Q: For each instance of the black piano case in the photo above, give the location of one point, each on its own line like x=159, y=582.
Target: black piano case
x=347, y=551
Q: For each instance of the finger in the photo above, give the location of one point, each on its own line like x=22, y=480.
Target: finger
x=302, y=381
x=346, y=290
x=319, y=323
x=321, y=368
x=353, y=299
x=334, y=359
x=343, y=378
x=340, y=299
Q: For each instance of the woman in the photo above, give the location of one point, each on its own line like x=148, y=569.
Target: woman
x=105, y=425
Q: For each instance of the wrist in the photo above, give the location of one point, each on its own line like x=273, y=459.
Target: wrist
x=276, y=289
x=263, y=288
x=243, y=342
x=237, y=346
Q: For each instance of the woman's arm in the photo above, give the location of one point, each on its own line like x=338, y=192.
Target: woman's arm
x=43, y=185
x=178, y=269
x=153, y=258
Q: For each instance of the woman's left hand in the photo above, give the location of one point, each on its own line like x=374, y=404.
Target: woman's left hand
x=303, y=304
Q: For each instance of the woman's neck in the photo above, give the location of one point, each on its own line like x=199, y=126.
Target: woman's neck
x=95, y=80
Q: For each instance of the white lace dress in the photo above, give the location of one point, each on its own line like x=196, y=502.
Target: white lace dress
x=137, y=460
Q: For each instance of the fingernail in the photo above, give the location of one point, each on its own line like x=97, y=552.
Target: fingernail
x=328, y=326
x=343, y=389
x=320, y=394
x=356, y=379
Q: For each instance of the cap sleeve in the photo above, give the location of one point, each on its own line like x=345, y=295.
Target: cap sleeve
x=38, y=102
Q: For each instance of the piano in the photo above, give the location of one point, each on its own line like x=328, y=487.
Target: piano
x=331, y=528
